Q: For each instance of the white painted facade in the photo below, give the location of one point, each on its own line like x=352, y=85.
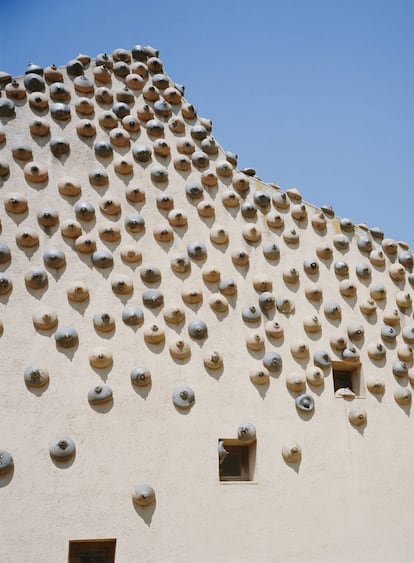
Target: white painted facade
x=349, y=498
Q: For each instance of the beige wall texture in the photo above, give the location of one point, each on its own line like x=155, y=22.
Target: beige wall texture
x=349, y=495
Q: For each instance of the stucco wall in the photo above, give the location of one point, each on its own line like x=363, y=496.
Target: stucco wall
x=350, y=497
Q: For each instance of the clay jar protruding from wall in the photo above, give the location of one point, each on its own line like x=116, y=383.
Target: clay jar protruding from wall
x=314, y=375
x=143, y=495
x=272, y=361
x=305, y=403
x=16, y=203
x=132, y=315
x=6, y=284
x=27, y=238
x=174, y=314
x=218, y=303
x=291, y=452
x=183, y=397
x=402, y=395
x=299, y=349
x=100, y=394
x=255, y=341
x=211, y=273
x=103, y=322
x=246, y=432
x=36, y=278
x=357, y=416
x=140, y=376
x=6, y=462
x=179, y=349
x=296, y=382
x=197, y=329
x=376, y=351
x=66, y=337
x=213, y=360
x=54, y=258
x=274, y=330
x=45, y=318
x=69, y=186
x=259, y=376
x=62, y=448
x=154, y=334
x=100, y=358
x=77, y=291
x=36, y=376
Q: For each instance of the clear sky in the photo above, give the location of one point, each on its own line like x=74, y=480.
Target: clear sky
x=313, y=94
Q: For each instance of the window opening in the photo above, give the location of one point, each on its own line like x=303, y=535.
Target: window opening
x=346, y=379
x=236, y=460
x=92, y=551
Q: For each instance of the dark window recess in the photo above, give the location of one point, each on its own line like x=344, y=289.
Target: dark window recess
x=342, y=379
x=346, y=377
x=92, y=551
x=92, y=557
x=237, y=463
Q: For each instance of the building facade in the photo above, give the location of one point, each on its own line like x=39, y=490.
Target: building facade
x=197, y=366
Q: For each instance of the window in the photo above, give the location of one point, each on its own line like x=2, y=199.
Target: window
x=346, y=378
x=92, y=551
x=238, y=463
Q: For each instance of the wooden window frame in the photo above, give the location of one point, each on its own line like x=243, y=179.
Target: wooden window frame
x=77, y=546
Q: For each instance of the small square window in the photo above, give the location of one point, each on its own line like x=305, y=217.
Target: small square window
x=238, y=463
x=92, y=551
x=346, y=378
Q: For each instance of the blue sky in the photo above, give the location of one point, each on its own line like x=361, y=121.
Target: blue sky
x=313, y=94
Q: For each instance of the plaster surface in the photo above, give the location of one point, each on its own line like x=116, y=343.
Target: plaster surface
x=349, y=498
